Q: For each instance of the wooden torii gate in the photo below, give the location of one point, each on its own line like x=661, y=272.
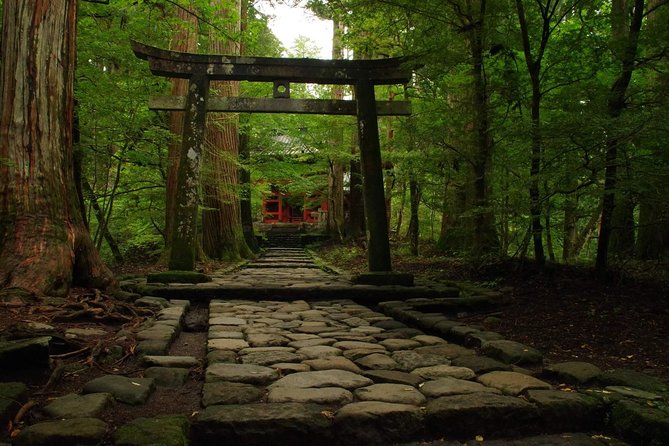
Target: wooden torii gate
x=200, y=69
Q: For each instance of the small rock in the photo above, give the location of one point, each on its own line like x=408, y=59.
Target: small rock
x=126, y=390
x=512, y=352
x=480, y=364
x=12, y=395
x=75, y=431
x=377, y=361
x=24, y=353
x=78, y=406
x=408, y=360
x=324, y=395
x=319, y=351
x=286, y=368
x=269, y=358
x=172, y=361
x=573, y=372
x=171, y=430
x=512, y=383
x=230, y=393
x=646, y=425
x=227, y=344
x=631, y=378
x=167, y=376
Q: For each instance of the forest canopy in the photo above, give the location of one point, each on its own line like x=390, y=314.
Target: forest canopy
x=538, y=127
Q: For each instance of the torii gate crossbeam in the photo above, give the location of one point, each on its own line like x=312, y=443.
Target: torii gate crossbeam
x=200, y=69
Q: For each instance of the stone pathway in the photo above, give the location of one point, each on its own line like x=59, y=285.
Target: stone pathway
x=337, y=372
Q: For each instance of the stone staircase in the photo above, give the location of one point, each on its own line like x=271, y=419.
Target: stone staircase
x=284, y=236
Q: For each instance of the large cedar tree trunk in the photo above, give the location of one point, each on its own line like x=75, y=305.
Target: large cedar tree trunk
x=222, y=233
x=44, y=244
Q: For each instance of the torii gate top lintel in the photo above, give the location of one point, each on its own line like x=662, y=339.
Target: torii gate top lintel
x=267, y=69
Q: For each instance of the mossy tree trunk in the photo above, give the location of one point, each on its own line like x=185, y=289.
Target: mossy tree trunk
x=222, y=233
x=44, y=244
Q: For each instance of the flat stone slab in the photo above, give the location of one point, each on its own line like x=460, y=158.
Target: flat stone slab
x=453, y=386
x=377, y=423
x=512, y=383
x=23, y=353
x=429, y=340
x=230, y=393
x=631, y=378
x=86, y=332
x=75, y=431
x=324, y=378
x=333, y=362
x=78, y=406
x=391, y=393
x=167, y=376
x=324, y=395
x=376, y=361
x=450, y=351
x=163, y=430
x=311, y=342
x=258, y=424
x=568, y=411
x=226, y=320
x=570, y=439
x=241, y=373
x=512, y=352
x=573, y=372
x=350, y=345
x=480, y=364
x=640, y=423
x=132, y=391
x=393, y=377
x=286, y=368
x=441, y=371
x=270, y=358
x=227, y=344
x=171, y=361
x=319, y=351
x=631, y=392
x=408, y=360
x=12, y=395
x=266, y=340
x=480, y=413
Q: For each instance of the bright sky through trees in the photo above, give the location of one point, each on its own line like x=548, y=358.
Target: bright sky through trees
x=288, y=23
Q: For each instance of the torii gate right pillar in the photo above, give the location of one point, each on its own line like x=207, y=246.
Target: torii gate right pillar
x=378, y=244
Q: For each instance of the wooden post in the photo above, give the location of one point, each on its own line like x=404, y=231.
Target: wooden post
x=372, y=185
x=183, y=241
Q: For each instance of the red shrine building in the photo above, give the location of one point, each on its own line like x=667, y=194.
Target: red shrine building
x=283, y=207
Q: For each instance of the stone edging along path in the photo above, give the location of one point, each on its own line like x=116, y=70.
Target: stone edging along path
x=338, y=372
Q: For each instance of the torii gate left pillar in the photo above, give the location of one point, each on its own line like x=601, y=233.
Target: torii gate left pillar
x=201, y=69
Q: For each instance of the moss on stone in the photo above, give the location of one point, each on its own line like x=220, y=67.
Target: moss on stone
x=170, y=430
x=641, y=424
x=178, y=277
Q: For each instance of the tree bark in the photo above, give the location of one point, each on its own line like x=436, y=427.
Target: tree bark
x=625, y=43
x=414, y=231
x=222, y=233
x=485, y=235
x=44, y=245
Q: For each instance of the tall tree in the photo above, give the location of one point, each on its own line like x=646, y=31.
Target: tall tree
x=626, y=22
x=222, y=233
x=44, y=245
